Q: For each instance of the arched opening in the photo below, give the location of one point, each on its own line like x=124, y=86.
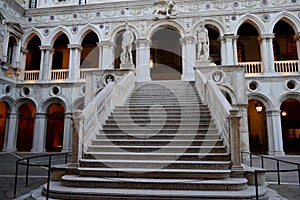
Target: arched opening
x=248, y=48
x=214, y=45
x=25, y=127
x=285, y=46
x=90, y=51
x=61, y=53
x=11, y=51
x=3, y=111
x=55, y=127
x=118, y=50
x=33, y=58
x=166, y=55
x=290, y=123
x=257, y=127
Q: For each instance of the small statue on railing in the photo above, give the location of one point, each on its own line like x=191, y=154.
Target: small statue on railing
x=202, y=44
x=126, y=55
x=164, y=7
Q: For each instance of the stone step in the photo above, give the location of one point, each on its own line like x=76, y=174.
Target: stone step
x=167, y=148
x=153, y=173
x=155, y=183
x=184, y=116
x=152, y=164
x=58, y=191
x=160, y=136
x=152, y=142
x=128, y=120
x=164, y=125
x=204, y=156
x=167, y=108
x=154, y=132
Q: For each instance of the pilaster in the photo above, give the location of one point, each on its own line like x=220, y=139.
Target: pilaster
x=107, y=54
x=228, y=50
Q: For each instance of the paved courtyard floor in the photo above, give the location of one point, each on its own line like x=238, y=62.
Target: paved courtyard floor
x=289, y=188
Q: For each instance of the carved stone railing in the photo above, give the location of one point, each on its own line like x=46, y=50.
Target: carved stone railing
x=212, y=97
x=226, y=117
x=286, y=66
x=83, y=72
x=31, y=75
x=99, y=108
x=252, y=67
x=59, y=74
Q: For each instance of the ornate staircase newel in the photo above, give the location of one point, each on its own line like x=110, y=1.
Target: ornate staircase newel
x=235, y=139
x=77, y=138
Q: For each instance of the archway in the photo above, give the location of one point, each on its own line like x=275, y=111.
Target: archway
x=90, y=51
x=61, y=53
x=257, y=126
x=214, y=45
x=55, y=127
x=25, y=127
x=248, y=48
x=290, y=123
x=284, y=44
x=166, y=55
x=3, y=111
x=11, y=51
x=33, y=57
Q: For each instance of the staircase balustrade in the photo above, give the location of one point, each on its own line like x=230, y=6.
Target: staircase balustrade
x=97, y=111
x=226, y=117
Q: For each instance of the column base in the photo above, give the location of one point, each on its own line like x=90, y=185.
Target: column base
x=66, y=150
x=188, y=77
x=9, y=150
x=276, y=153
x=126, y=66
x=38, y=150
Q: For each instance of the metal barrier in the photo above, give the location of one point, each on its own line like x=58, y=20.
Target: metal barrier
x=277, y=170
x=28, y=162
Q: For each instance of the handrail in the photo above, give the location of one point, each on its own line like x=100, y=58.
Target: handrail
x=27, y=163
x=277, y=170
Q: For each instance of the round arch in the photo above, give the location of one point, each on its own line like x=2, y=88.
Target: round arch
x=230, y=92
x=78, y=103
x=263, y=99
x=51, y=100
x=291, y=95
x=10, y=102
x=118, y=29
x=211, y=23
x=23, y=101
x=154, y=27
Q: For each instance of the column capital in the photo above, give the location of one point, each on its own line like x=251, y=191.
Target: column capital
x=143, y=43
x=297, y=36
x=187, y=40
x=40, y=115
x=266, y=36
x=46, y=48
x=75, y=46
x=105, y=43
x=228, y=36
x=24, y=50
x=273, y=112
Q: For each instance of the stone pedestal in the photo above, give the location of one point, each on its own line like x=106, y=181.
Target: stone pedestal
x=126, y=66
x=200, y=63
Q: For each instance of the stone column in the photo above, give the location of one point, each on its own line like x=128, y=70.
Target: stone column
x=267, y=54
x=46, y=62
x=39, y=134
x=235, y=55
x=100, y=55
x=23, y=57
x=67, y=141
x=108, y=56
x=188, y=58
x=143, y=60
x=229, y=54
x=274, y=133
x=223, y=51
x=235, y=142
x=77, y=139
x=297, y=40
x=18, y=54
x=244, y=128
x=74, y=61
x=11, y=130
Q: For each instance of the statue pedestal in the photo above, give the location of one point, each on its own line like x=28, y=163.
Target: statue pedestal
x=126, y=66
x=202, y=63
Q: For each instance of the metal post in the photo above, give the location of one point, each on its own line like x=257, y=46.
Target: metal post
x=48, y=178
x=16, y=179
x=256, y=185
x=27, y=172
x=262, y=162
x=250, y=160
x=278, y=173
x=66, y=158
x=299, y=174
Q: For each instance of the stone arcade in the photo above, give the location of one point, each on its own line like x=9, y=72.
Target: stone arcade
x=232, y=67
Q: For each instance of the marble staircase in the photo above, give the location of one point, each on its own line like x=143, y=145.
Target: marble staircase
x=161, y=144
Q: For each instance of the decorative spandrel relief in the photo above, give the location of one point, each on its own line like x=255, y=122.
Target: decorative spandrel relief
x=278, y=2
x=165, y=8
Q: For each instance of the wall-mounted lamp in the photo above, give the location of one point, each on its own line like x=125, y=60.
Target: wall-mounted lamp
x=258, y=107
x=283, y=113
x=151, y=63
